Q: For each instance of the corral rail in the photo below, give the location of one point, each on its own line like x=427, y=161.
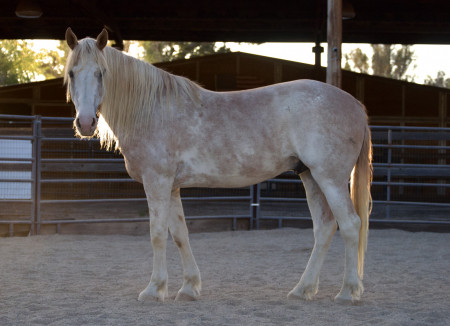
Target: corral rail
x=42, y=165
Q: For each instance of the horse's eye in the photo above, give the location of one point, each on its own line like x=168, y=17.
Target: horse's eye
x=71, y=74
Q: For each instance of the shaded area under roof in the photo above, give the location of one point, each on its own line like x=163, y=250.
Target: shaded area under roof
x=381, y=21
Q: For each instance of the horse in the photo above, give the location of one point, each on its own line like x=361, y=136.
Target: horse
x=175, y=134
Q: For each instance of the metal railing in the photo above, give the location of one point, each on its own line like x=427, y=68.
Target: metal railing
x=31, y=181
x=429, y=160
x=411, y=179
x=66, y=170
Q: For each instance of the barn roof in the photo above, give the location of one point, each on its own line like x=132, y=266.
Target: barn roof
x=381, y=21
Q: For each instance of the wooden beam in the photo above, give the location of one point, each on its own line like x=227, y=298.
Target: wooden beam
x=91, y=9
x=334, y=39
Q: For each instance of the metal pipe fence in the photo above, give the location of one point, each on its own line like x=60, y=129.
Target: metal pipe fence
x=42, y=166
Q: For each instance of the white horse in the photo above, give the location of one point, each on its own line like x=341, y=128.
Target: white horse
x=175, y=134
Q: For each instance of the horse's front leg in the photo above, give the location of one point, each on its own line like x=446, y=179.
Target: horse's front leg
x=178, y=229
x=158, y=197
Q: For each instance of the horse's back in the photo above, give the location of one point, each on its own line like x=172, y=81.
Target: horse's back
x=295, y=100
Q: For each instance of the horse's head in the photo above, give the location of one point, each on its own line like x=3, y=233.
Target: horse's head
x=84, y=77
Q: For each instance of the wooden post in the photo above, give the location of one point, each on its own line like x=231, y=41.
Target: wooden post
x=334, y=39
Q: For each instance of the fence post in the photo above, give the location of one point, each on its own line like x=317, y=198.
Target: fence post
x=37, y=175
x=443, y=109
x=388, y=175
x=33, y=177
x=255, y=208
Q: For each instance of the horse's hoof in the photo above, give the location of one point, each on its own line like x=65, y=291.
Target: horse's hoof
x=182, y=296
x=293, y=296
x=344, y=299
x=153, y=293
x=350, y=293
x=303, y=293
x=189, y=292
x=348, y=298
x=143, y=296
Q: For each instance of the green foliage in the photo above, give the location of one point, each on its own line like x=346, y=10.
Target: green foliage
x=169, y=51
x=51, y=62
x=20, y=64
x=8, y=74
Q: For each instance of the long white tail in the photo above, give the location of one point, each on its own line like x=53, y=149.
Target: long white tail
x=360, y=194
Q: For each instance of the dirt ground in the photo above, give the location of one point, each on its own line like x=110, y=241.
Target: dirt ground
x=95, y=280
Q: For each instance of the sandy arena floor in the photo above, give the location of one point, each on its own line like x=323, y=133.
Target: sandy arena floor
x=95, y=280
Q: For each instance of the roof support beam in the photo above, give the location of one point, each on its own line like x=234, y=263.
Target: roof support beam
x=91, y=10
x=334, y=39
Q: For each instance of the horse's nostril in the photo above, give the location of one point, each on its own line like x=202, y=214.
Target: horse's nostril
x=77, y=121
x=93, y=122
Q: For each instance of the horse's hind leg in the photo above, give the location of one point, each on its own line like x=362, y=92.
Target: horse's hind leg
x=336, y=191
x=178, y=229
x=324, y=229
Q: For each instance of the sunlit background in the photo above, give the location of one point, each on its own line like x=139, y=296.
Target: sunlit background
x=428, y=59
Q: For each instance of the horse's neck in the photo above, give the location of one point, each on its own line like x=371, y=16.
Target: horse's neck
x=160, y=98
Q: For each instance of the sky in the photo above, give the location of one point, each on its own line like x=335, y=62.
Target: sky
x=429, y=59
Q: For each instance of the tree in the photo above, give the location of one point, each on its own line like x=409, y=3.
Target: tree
x=381, y=60
x=360, y=61
x=439, y=81
x=400, y=62
x=387, y=61
x=390, y=62
x=52, y=62
x=20, y=64
x=169, y=51
x=8, y=74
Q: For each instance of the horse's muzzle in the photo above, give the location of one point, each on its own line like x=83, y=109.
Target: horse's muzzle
x=86, y=126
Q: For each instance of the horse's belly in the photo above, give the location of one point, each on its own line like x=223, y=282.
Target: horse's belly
x=230, y=175
x=217, y=181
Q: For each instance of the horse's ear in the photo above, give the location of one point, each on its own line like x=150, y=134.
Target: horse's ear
x=71, y=38
x=102, y=39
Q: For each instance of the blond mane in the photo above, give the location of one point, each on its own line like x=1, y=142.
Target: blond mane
x=132, y=90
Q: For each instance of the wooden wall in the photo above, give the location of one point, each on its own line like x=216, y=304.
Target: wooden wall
x=389, y=102
x=46, y=98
